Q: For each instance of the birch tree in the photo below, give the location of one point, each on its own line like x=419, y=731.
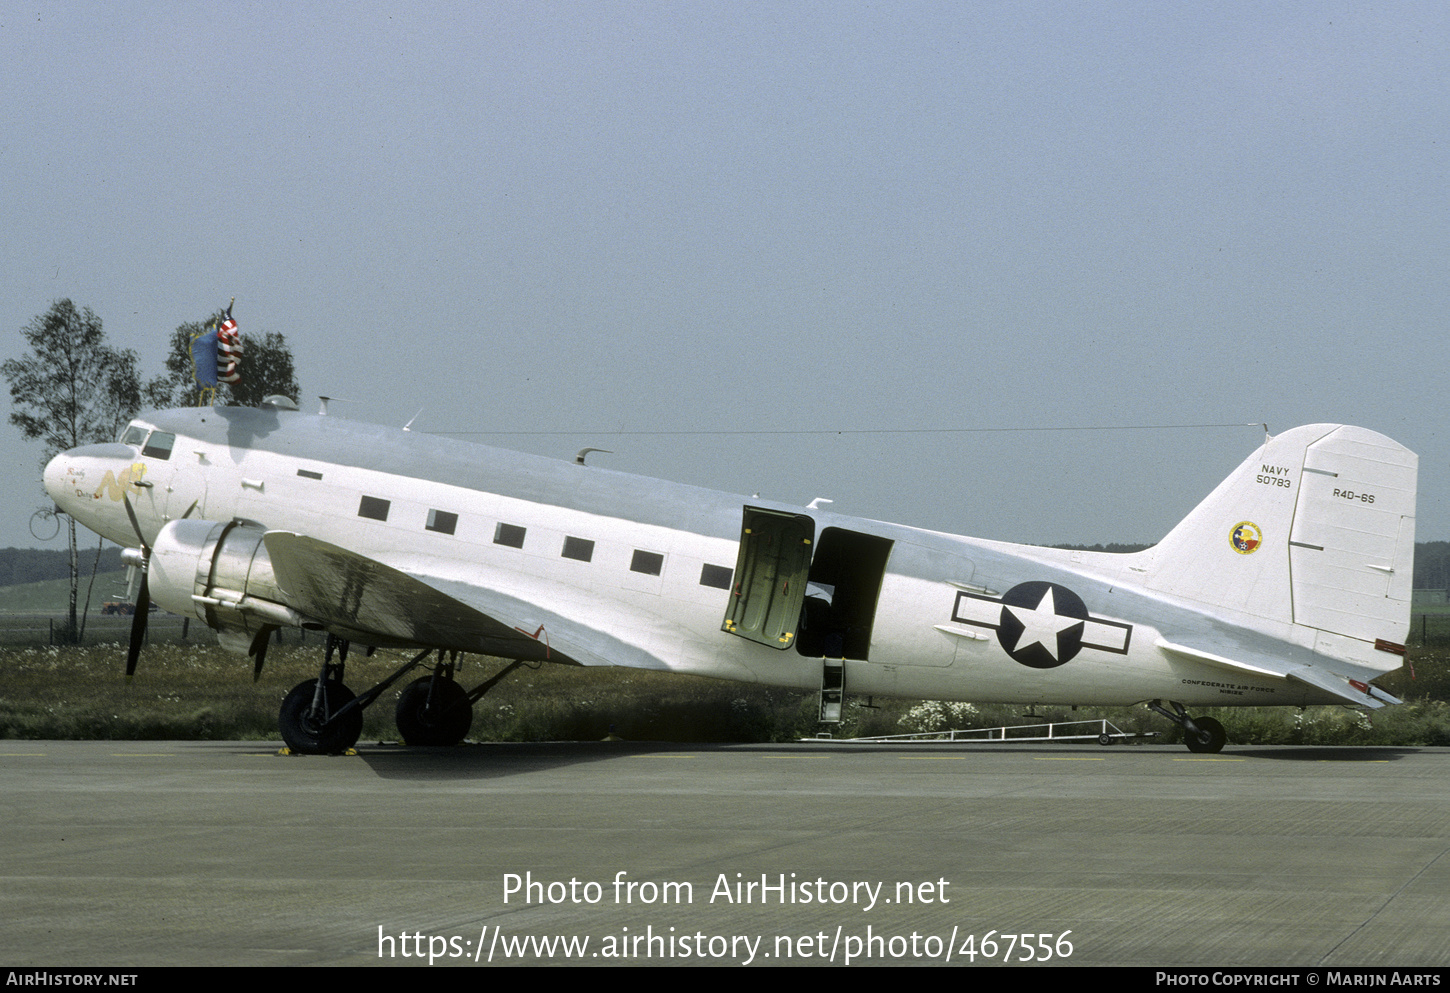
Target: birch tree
x=72, y=389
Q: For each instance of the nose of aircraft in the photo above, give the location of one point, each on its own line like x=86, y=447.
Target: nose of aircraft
x=89, y=483
x=55, y=479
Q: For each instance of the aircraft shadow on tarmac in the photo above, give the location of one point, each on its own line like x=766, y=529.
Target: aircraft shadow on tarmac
x=1325, y=753
x=473, y=761
x=498, y=760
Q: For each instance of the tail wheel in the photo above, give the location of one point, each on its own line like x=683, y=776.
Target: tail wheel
x=307, y=731
x=1211, y=738
x=443, y=720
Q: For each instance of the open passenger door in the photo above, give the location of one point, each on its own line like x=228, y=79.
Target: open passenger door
x=792, y=589
x=770, y=577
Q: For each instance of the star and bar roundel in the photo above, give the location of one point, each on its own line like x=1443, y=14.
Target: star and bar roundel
x=1042, y=625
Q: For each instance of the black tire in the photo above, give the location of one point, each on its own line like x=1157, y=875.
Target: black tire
x=446, y=722
x=1216, y=736
x=1105, y=739
x=307, y=734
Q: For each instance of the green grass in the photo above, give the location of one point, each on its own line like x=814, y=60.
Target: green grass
x=1430, y=626
x=53, y=595
x=203, y=692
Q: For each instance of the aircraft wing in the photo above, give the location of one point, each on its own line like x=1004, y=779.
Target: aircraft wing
x=362, y=598
x=1351, y=691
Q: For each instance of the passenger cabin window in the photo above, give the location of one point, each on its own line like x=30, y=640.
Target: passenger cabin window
x=374, y=509
x=717, y=576
x=309, y=474
x=159, y=445
x=133, y=435
x=578, y=548
x=649, y=563
x=509, y=534
x=442, y=521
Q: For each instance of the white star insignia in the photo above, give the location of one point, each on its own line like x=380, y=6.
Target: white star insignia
x=1042, y=624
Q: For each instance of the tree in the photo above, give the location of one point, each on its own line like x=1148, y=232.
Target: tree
x=266, y=369
x=73, y=389
x=177, y=386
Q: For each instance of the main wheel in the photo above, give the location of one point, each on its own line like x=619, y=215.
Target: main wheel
x=309, y=733
x=445, y=722
x=1213, y=729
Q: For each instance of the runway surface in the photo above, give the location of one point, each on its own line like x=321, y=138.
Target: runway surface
x=225, y=853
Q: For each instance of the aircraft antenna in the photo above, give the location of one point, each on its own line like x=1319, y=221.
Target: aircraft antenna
x=322, y=410
x=736, y=432
x=579, y=459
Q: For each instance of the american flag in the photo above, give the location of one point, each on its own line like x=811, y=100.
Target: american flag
x=228, y=351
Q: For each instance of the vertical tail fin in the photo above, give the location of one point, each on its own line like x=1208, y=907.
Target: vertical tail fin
x=1315, y=529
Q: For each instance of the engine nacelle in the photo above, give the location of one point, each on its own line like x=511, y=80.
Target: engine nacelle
x=219, y=573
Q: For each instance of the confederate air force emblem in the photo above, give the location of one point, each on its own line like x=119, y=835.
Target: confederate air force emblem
x=1042, y=625
x=1245, y=537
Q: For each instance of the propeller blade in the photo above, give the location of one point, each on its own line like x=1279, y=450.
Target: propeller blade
x=135, y=524
x=143, y=598
x=258, y=649
x=138, y=625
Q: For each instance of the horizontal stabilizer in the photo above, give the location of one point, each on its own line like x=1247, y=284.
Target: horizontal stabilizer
x=1361, y=694
x=1198, y=655
x=1351, y=691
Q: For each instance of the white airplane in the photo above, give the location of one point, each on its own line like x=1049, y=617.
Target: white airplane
x=1288, y=586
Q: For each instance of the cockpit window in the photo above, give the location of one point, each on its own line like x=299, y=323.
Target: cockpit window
x=133, y=435
x=159, y=445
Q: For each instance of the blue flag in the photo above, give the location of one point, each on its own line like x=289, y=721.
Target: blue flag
x=203, y=358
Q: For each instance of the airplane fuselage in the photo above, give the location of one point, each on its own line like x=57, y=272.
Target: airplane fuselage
x=583, y=564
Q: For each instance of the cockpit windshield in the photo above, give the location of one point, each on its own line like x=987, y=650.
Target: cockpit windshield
x=159, y=445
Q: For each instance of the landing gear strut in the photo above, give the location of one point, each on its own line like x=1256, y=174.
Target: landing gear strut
x=1201, y=734
x=323, y=717
x=436, y=710
x=310, y=720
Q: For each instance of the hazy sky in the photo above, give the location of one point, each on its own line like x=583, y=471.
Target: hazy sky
x=603, y=218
